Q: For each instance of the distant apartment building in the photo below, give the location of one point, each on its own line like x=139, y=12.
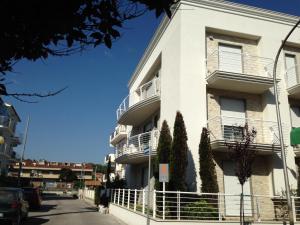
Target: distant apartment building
x=9, y=119
x=213, y=62
x=46, y=172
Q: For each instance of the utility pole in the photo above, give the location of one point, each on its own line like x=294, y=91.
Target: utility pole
x=96, y=171
x=283, y=156
x=23, y=152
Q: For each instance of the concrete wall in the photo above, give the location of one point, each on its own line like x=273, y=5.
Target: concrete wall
x=132, y=218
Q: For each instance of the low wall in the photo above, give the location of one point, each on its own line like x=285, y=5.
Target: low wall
x=135, y=218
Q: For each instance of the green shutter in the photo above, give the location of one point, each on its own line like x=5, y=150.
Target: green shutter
x=295, y=136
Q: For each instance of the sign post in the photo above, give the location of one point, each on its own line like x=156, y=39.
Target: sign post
x=164, y=177
x=148, y=151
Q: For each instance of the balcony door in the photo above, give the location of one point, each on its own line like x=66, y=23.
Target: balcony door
x=291, y=74
x=230, y=58
x=233, y=117
x=233, y=191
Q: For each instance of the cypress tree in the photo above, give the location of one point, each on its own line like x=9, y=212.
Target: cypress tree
x=163, y=151
x=108, y=171
x=207, y=172
x=178, y=155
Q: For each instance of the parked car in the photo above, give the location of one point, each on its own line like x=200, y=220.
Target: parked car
x=32, y=195
x=13, y=207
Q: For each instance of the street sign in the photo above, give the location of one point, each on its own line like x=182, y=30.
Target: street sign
x=146, y=150
x=163, y=172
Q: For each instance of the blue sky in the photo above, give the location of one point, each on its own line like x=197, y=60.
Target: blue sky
x=75, y=125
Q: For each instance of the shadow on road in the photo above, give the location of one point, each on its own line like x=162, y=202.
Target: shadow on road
x=35, y=221
x=49, y=197
x=63, y=213
x=44, y=208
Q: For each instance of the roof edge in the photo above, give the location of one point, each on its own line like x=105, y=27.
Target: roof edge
x=220, y=5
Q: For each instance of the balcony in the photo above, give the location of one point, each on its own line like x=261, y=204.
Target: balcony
x=16, y=139
x=133, y=152
x=141, y=104
x=239, y=72
x=293, y=81
x=119, y=134
x=7, y=124
x=228, y=129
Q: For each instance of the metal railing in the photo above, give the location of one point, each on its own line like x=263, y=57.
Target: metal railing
x=230, y=129
x=119, y=129
x=139, y=143
x=292, y=76
x=7, y=122
x=177, y=205
x=145, y=91
x=239, y=63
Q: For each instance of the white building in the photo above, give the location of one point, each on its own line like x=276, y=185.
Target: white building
x=213, y=62
x=8, y=122
x=117, y=169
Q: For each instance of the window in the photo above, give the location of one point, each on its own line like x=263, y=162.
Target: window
x=290, y=63
x=230, y=58
x=233, y=118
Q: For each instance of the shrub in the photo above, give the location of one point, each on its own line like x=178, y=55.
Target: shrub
x=199, y=210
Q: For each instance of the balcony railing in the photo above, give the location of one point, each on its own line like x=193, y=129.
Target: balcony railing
x=243, y=64
x=8, y=123
x=224, y=128
x=119, y=130
x=147, y=90
x=139, y=143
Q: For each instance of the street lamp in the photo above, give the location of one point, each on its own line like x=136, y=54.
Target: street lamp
x=283, y=156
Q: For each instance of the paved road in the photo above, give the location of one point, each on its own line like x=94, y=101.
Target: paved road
x=67, y=211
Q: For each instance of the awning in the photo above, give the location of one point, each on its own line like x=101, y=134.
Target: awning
x=295, y=136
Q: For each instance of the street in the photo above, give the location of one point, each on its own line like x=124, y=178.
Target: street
x=68, y=211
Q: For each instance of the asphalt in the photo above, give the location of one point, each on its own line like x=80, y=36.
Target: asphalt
x=58, y=210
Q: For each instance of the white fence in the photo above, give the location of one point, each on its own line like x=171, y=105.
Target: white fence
x=139, y=143
x=86, y=194
x=206, y=206
x=147, y=90
x=230, y=129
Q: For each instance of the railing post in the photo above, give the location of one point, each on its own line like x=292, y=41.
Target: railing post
x=123, y=197
x=134, y=203
x=178, y=205
x=143, y=203
x=115, y=195
x=154, y=204
x=139, y=142
x=219, y=207
x=119, y=192
x=128, y=198
x=294, y=209
x=257, y=209
x=164, y=204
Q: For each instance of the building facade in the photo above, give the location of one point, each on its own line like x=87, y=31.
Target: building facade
x=9, y=119
x=46, y=173
x=213, y=62
x=116, y=168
